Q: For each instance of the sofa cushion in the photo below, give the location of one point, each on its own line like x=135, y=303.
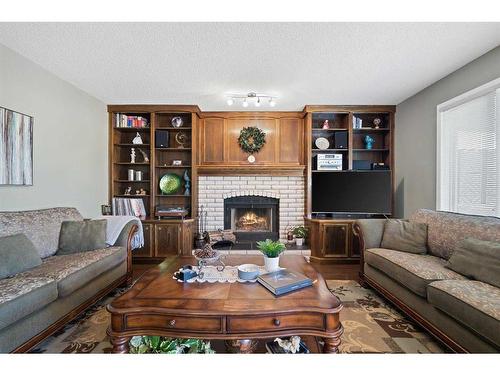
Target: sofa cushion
x=405, y=236
x=21, y=295
x=445, y=230
x=42, y=227
x=73, y=271
x=473, y=303
x=476, y=259
x=77, y=236
x=414, y=271
x=17, y=254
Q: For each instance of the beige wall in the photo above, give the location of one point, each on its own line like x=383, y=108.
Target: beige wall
x=69, y=141
x=416, y=132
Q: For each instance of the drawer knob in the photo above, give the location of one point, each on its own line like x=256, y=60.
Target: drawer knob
x=276, y=322
x=172, y=323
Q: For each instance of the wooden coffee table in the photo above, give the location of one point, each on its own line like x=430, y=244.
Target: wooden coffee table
x=236, y=312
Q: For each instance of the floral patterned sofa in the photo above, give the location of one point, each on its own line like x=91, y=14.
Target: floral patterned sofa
x=464, y=314
x=35, y=303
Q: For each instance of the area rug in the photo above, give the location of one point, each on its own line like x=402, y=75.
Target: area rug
x=370, y=326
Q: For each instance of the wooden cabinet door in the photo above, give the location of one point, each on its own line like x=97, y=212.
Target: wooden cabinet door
x=335, y=240
x=147, y=250
x=187, y=238
x=212, y=141
x=167, y=239
x=355, y=250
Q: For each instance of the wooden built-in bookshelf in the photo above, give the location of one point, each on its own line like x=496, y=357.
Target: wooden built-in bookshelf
x=331, y=239
x=166, y=236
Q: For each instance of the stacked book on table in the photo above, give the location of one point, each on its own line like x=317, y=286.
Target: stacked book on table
x=284, y=281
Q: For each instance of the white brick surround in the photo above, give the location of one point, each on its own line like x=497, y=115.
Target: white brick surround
x=288, y=189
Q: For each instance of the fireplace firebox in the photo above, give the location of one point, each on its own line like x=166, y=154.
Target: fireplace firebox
x=252, y=219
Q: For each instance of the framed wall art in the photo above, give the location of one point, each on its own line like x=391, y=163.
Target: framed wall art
x=16, y=148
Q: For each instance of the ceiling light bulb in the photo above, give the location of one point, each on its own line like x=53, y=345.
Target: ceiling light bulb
x=229, y=101
x=245, y=103
x=272, y=103
x=257, y=103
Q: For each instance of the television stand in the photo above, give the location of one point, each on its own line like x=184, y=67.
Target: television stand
x=332, y=241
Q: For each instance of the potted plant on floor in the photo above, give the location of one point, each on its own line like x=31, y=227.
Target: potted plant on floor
x=300, y=234
x=271, y=251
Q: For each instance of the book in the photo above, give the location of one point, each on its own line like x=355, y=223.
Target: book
x=283, y=281
x=129, y=207
x=125, y=121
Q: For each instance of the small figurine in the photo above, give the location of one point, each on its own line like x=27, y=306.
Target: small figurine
x=132, y=155
x=128, y=190
x=377, y=122
x=144, y=155
x=187, y=184
x=137, y=139
x=142, y=192
x=326, y=125
x=369, y=141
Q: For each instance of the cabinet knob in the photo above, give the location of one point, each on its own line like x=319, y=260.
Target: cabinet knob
x=276, y=322
x=171, y=323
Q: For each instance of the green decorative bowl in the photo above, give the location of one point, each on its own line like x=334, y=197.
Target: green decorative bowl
x=170, y=183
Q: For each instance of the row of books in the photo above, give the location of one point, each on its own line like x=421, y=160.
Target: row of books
x=129, y=207
x=125, y=121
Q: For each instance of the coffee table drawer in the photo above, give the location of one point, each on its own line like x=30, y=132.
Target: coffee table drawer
x=275, y=322
x=173, y=322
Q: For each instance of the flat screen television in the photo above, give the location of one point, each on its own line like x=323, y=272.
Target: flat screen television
x=352, y=192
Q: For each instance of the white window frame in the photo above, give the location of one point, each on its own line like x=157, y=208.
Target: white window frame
x=463, y=98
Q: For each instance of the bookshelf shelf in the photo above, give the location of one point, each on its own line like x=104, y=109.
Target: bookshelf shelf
x=132, y=145
x=330, y=150
x=129, y=163
x=172, y=149
x=371, y=150
x=173, y=195
x=371, y=130
x=131, y=195
x=173, y=166
x=131, y=129
x=133, y=182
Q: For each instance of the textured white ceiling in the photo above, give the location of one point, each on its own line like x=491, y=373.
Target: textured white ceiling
x=300, y=63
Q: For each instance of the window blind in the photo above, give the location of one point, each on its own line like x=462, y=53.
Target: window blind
x=469, y=157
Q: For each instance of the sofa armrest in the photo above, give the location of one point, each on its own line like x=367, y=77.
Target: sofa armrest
x=369, y=232
x=125, y=240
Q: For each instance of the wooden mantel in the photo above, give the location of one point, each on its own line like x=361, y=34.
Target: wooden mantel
x=220, y=154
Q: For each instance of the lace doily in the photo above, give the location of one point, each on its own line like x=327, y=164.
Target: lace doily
x=212, y=275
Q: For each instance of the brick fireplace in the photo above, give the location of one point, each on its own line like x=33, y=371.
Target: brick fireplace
x=215, y=193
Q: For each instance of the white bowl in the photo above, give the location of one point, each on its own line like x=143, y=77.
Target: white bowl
x=248, y=271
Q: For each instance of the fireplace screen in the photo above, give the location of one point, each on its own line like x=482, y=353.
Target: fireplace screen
x=251, y=219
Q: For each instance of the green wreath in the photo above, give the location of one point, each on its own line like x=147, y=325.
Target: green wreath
x=251, y=139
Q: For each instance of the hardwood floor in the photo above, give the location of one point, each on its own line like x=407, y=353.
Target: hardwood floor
x=328, y=271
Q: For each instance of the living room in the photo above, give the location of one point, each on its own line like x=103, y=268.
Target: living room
x=249, y=188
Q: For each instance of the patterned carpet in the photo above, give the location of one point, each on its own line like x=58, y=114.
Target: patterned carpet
x=371, y=326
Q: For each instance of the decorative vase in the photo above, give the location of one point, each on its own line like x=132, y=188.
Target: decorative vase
x=299, y=241
x=271, y=264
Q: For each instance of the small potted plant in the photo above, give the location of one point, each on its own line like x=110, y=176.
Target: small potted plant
x=271, y=251
x=300, y=234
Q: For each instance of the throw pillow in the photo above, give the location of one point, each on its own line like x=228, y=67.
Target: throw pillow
x=405, y=236
x=17, y=254
x=79, y=236
x=476, y=259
